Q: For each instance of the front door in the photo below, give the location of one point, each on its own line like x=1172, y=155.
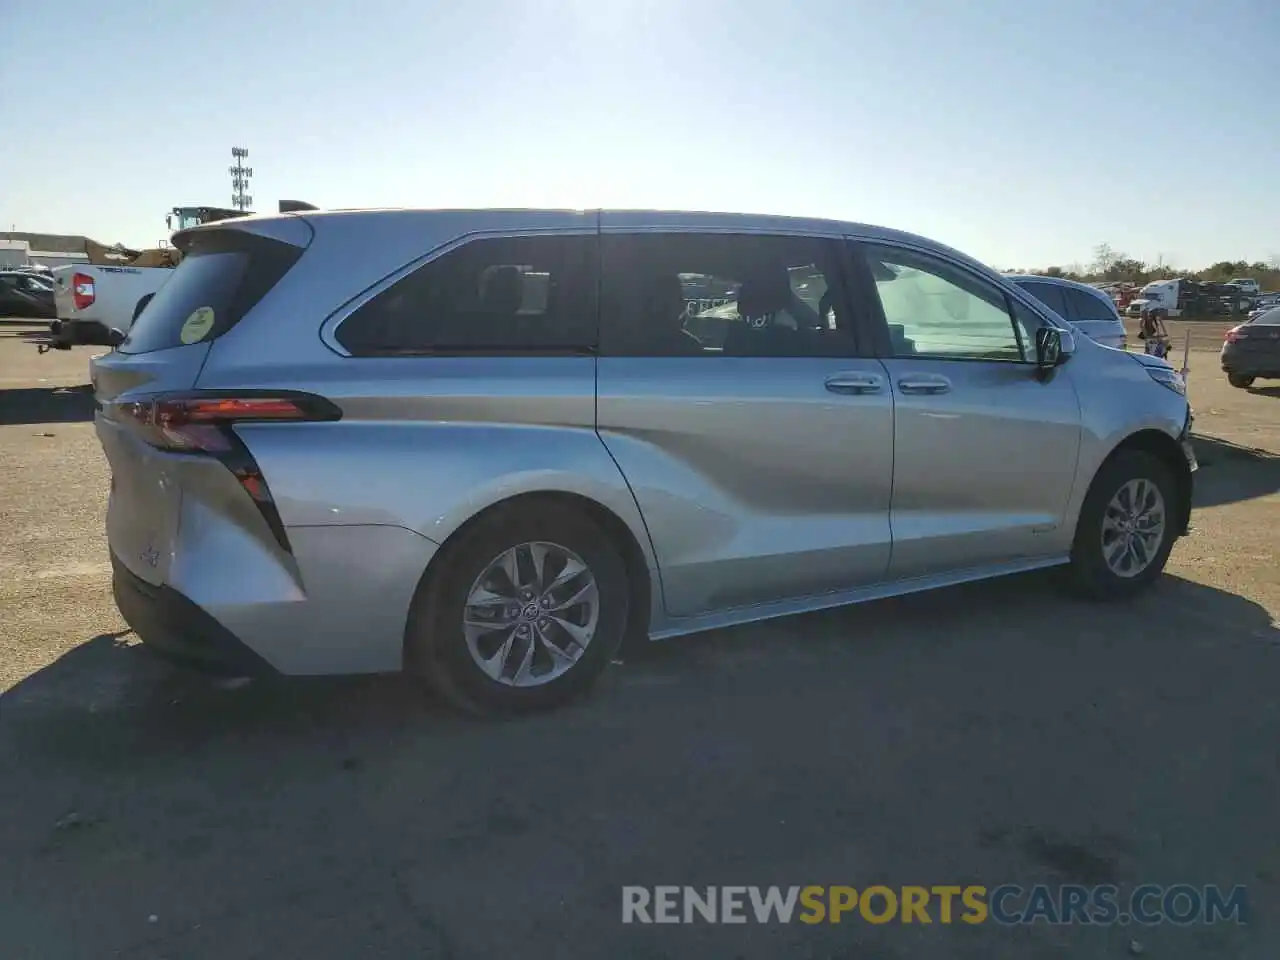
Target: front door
x=984, y=450
x=759, y=445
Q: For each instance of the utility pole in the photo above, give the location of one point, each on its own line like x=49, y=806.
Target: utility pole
x=240, y=175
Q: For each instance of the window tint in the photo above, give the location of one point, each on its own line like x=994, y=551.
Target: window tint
x=715, y=295
x=1050, y=294
x=934, y=309
x=1088, y=307
x=502, y=294
x=223, y=274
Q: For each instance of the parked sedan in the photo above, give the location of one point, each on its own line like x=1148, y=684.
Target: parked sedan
x=25, y=295
x=1252, y=350
x=1086, y=308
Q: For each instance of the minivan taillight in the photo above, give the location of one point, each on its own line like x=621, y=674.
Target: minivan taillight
x=82, y=290
x=201, y=423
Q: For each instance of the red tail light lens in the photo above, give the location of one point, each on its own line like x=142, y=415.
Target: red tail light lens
x=1236, y=333
x=201, y=423
x=82, y=290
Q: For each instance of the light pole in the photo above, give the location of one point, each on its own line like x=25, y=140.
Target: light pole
x=240, y=175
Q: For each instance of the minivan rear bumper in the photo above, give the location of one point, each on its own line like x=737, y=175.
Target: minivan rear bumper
x=171, y=625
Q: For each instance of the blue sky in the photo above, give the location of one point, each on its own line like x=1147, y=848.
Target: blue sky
x=1023, y=133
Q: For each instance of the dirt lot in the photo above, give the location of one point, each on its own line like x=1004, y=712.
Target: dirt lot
x=998, y=733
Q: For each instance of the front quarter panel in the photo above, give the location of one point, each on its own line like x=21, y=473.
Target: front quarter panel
x=1118, y=399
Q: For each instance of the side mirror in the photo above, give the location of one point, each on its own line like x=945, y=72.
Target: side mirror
x=1049, y=351
x=115, y=337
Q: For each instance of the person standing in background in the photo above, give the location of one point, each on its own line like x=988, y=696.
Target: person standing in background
x=1153, y=333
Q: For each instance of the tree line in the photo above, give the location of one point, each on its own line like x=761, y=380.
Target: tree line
x=1110, y=265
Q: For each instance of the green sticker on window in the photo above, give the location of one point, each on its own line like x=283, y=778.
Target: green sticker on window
x=197, y=326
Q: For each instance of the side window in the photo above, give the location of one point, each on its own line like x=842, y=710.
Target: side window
x=721, y=295
x=940, y=311
x=508, y=294
x=1027, y=323
x=1050, y=294
x=1088, y=307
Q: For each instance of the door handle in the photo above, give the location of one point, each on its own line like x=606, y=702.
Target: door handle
x=854, y=383
x=924, y=384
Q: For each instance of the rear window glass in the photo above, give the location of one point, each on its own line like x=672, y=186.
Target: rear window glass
x=1089, y=307
x=1047, y=293
x=221, y=277
x=499, y=294
x=1269, y=319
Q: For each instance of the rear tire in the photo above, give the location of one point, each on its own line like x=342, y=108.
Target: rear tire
x=1099, y=555
x=486, y=671
x=1240, y=380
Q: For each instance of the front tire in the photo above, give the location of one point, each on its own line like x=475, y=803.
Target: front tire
x=523, y=613
x=1240, y=380
x=1126, y=528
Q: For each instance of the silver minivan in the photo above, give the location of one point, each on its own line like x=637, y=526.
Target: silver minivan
x=1086, y=308
x=484, y=446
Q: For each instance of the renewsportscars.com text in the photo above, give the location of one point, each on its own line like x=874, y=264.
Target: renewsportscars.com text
x=1006, y=905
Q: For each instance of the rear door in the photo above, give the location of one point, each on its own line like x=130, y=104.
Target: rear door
x=732, y=394
x=984, y=451
x=222, y=276
x=1257, y=344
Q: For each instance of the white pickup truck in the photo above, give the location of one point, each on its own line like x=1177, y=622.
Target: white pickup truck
x=98, y=299
x=105, y=292
x=93, y=299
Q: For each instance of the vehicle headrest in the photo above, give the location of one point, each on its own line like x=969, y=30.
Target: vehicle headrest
x=503, y=291
x=764, y=293
x=663, y=297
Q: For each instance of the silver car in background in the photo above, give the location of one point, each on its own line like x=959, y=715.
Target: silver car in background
x=484, y=446
x=1086, y=308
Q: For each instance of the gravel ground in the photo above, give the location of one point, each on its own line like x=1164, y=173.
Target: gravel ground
x=997, y=733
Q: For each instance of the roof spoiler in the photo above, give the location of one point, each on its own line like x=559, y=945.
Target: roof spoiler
x=296, y=206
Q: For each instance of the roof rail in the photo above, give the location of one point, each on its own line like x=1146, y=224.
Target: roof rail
x=296, y=206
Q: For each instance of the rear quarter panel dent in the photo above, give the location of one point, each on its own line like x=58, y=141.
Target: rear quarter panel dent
x=427, y=477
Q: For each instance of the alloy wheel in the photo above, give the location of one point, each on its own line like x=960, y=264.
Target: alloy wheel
x=531, y=614
x=1133, y=528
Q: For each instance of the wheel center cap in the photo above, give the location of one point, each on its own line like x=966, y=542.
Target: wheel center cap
x=530, y=612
